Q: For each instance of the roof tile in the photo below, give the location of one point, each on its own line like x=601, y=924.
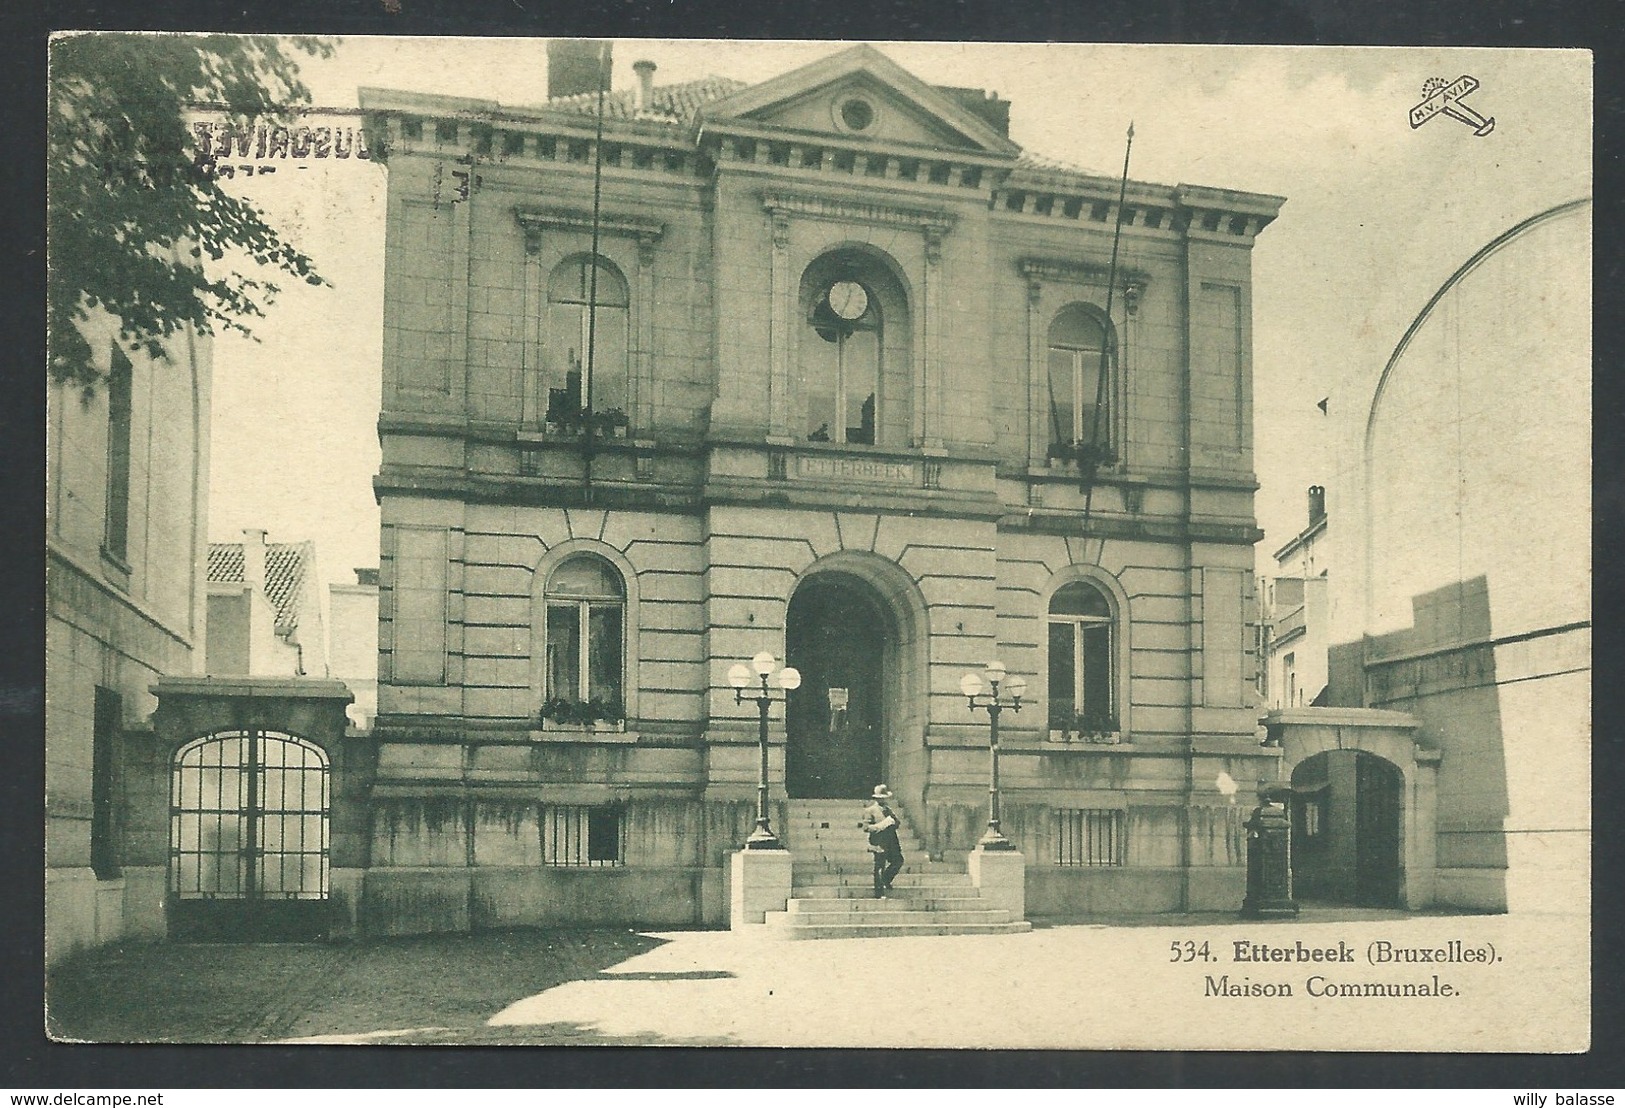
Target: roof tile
x=287, y=566
x=673, y=104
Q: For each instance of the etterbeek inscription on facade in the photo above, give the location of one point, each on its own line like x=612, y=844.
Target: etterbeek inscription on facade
x=856, y=469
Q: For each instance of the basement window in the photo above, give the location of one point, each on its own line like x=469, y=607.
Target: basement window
x=1089, y=837
x=583, y=836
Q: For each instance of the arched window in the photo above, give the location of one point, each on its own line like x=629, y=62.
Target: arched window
x=841, y=361
x=585, y=640
x=571, y=328
x=1079, y=379
x=853, y=351
x=1082, y=693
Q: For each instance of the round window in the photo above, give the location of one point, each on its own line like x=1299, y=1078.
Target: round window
x=857, y=114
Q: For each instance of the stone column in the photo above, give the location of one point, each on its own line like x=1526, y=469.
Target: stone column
x=783, y=310
x=1037, y=370
x=533, y=405
x=928, y=383
x=640, y=405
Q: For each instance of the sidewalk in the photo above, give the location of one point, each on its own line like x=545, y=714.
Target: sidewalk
x=1102, y=984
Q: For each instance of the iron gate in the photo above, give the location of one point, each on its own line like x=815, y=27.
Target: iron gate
x=249, y=837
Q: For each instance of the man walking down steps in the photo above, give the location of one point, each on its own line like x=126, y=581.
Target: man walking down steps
x=881, y=824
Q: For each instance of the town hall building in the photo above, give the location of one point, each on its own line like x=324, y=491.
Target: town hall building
x=825, y=367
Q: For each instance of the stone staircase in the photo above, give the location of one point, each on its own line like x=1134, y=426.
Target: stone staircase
x=833, y=884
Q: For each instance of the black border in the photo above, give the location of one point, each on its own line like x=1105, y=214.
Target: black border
x=30, y=1061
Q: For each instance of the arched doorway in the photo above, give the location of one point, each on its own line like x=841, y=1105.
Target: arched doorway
x=249, y=838
x=841, y=637
x=1346, y=809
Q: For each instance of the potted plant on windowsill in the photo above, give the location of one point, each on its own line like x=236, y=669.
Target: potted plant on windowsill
x=567, y=419
x=1091, y=727
x=1083, y=455
x=610, y=423
x=583, y=714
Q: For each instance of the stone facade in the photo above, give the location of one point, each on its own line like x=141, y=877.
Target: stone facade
x=126, y=500
x=1462, y=589
x=730, y=218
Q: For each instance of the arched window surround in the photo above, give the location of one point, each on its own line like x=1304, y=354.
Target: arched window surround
x=1117, y=603
x=882, y=334
x=1054, y=285
x=565, y=333
x=630, y=244
x=550, y=562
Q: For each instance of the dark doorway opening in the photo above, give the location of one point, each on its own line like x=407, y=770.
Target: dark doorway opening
x=1377, y=789
x=249, y=838
x=838, y=635
x=1346, y=811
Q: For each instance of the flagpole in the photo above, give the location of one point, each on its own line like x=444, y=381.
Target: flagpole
x=1092, y=460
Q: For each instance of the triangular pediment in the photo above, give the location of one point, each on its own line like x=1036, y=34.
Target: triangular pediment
x=861, y=94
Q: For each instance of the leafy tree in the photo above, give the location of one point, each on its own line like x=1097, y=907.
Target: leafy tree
x=131, y=212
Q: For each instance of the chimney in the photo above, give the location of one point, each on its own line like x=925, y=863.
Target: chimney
x=645, y=69
x=1317, y=504
x=573, y=66
x=254, y=557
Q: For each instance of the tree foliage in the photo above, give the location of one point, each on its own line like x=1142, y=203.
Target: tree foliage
x=132, y=213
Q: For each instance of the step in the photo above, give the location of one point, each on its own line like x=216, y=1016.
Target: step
x=833, y=891
x=850, y=843
x=899, y=915
x=894, y=930
x=866, y=868
x=906, y=879
x=835, y=906
x=857, y=851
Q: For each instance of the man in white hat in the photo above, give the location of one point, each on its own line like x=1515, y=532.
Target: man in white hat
x=881, y=824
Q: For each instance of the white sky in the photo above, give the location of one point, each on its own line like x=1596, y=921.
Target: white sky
x=1377, y=216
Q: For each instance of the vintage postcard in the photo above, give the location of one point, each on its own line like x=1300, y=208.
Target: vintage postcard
x=818, y=544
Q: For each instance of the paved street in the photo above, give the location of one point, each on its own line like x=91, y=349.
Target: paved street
x=1112, y=984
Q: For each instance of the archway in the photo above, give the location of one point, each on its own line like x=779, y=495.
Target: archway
x=840, y=635
x=249, y=835
x=1346, y=834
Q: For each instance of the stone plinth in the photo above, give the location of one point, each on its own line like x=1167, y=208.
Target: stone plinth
x=1001, y=876
x=761, y=884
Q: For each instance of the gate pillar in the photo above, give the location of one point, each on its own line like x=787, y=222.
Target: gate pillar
x=290, y=735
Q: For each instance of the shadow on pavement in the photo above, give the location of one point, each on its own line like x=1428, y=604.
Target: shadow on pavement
x=1308, y=913
x=443, y=986
x=562, y=1033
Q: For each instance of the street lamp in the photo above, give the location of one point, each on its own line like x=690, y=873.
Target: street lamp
x=1014, y=689
x=740, y=677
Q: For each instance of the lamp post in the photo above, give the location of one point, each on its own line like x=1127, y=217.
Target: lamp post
x=1014, y=689
x=740, y=677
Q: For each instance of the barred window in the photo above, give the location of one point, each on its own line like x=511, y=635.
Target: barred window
x=574, y=835
x=1089, y=837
